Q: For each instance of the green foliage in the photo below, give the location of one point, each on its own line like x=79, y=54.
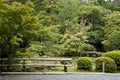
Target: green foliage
x=11, y=68
x=68, y=10
x=93, y=15
x=84, y=63
x=36, y=47
x=115, y=55
x=110, y=65
x=112, y=31
x=48, y=39
x=112, y=41
x=75, y=41
x=41, y=49
x=16, y=23
x=110, y=4
x=66, y=14
x=20, y=54
x=52, y=27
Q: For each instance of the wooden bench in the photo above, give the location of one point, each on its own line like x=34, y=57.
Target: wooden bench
x=51, y=62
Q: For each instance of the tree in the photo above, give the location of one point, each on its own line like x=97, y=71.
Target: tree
x=93, y=14
x=75, y=41
x=116, y=2
x=47, y=41
x=16, y=24
x=112, y=31
x=66, y=14
x=110, y=4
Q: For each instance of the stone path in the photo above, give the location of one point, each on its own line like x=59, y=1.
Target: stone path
x=63, y=76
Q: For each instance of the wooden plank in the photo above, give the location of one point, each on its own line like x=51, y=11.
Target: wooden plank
x=40, y=59
x=11, y=65
x=37, y=65
x=55, y=65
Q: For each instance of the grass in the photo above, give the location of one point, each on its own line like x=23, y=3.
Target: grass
x=52, y=69
x=61, y=69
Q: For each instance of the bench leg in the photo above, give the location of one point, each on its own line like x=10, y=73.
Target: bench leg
x=24, y=67
x=65, y=68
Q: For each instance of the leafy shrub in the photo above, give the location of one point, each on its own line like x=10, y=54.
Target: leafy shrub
x=84, y=63
x=115, y=55
x=110, y=65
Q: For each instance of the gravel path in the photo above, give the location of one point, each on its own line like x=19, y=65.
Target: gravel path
x=80, y=76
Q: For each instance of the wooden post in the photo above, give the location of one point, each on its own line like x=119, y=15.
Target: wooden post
x=24, y=68
x=103, y=67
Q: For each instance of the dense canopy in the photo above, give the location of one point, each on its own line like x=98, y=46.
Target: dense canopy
x=58, y=27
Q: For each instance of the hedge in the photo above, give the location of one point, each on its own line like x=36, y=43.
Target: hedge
x=110, y=65
x=84, y=63
x=115, y=55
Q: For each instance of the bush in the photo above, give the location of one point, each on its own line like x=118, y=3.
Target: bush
x=84, y=63
x=10, y=68
x=110, y=65
x=115, y=55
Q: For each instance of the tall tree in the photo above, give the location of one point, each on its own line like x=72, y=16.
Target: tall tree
x=93, y=14
x=112, y=31
x=16, y=23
